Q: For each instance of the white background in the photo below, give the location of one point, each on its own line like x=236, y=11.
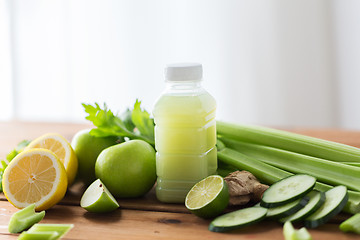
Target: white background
x=279, y=63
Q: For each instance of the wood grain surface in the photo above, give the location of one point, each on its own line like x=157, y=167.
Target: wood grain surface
x=146, y=217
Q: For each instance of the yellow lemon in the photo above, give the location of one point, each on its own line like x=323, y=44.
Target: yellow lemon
x=35, y=176
x=62, y=149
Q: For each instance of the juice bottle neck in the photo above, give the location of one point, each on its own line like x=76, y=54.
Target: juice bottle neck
x=183, y=87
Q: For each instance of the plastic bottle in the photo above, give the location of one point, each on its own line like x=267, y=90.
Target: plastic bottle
x=185, y=133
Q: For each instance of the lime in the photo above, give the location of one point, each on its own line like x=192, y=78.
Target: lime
x=208, y=198
x=127, y=169
x=97, y=198
x=87, y=148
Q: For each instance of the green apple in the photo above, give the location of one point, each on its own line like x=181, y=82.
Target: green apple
x=97, y=198
x=127, y=169
x=87, y=148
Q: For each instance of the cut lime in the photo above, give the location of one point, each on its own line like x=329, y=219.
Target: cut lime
x=97, y=198
x=208, y=198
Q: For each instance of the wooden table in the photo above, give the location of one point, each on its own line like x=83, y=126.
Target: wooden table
x=146, y=218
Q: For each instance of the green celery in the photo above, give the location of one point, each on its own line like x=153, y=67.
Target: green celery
x=26, y=235
x=264, y=172
x=24, y=219
x=290, y=233
x=144, y=124
x=225, y=169
x=351, y=224
x=109, y=124
x=60, y=229
x=355, y=164
x=3, y=165
x=20, y=147
x=330, y=172
x=289, y=141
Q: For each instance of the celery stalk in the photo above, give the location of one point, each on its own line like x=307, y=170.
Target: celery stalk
x=38, y=236
x=24, y=219
x=289, y=141
x=264, y=172
x=269, y=174
x=352, y=224
x=356, y=164
x=60, y=229
x=333, y=173
x=290, y=233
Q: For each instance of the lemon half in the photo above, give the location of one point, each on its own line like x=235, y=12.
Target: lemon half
x=62, y=149
x=35, y=176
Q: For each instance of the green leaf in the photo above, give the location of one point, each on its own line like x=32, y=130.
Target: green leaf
x=21, y=145
x=17, y=149
x=142, y=121
x=108, y=124
x=11, y=154
x=126, y=118
x=3, y=165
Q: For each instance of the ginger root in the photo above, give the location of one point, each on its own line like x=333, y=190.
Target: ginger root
x=244, y=187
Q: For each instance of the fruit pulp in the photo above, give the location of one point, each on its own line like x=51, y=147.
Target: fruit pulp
x=185, y=138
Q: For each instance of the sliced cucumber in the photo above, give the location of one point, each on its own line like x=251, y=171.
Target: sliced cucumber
x=336, y=199
x=237, y=219
x=287, y=209
x=287, y=190
x=317, y=199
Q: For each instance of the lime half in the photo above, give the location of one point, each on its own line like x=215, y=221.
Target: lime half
x=208, y=198
x=97, y=198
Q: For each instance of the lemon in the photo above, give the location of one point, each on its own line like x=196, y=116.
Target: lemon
x=35, y=176
x=208, y=198
x=62, y=148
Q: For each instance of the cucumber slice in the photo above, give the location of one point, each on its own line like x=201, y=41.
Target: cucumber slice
x=287, y=190
x=336, y=199
x=238, y=219
x=317, y=199
x=287, y=209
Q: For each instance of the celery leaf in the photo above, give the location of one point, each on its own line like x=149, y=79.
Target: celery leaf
x=108, y=124
x=142, y=121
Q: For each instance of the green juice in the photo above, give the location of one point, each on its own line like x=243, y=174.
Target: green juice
x=185, y=138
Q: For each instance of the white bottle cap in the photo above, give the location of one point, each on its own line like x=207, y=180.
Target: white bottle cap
x=180, y=72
